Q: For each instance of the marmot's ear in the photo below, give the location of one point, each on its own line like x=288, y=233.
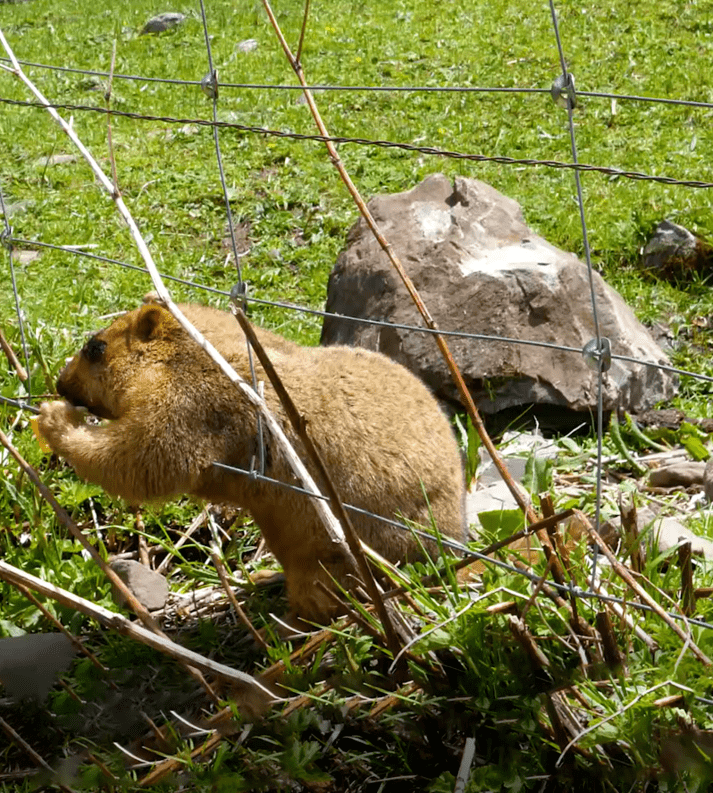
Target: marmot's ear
x=149, y=321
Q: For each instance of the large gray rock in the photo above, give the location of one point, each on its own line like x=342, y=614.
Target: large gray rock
x=480, y=269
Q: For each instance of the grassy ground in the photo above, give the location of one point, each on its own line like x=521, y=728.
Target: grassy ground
x=293, y=214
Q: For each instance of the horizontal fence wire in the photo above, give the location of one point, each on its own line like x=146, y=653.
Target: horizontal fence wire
x=448, y=542
x=385, y=144
x=20, y=242
x=464, y=89
x=575, y=166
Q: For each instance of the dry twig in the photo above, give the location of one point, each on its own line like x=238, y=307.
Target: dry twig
x=623, y=573
x=300, y=426
x=12, y=358
x=465, y=396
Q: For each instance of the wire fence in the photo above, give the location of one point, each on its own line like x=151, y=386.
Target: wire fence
x=562, y=90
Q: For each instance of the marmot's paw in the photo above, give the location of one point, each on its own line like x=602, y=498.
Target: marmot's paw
x=55, y=419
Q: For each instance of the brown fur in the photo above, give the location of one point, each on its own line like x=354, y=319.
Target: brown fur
x=382, y=435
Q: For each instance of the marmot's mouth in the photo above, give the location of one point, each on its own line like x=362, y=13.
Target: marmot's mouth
x=96, y=410
x=99, y=412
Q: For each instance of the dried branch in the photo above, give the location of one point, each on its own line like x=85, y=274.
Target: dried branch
x=299, y=424
x=465, y=396
x=12, y=358
x=331, y=524
x=37, y=758
x=260, y=694
x=623, y=573
x=242, y=616
x=688, y=596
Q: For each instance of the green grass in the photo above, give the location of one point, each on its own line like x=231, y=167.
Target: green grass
x=288, y=199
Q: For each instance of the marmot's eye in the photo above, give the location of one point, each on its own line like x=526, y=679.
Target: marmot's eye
x=93, y=350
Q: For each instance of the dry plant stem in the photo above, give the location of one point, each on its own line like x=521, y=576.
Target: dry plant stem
x=107, y=98
x=38, y=759
x=304, y=653
x=300, y=426
x=631, y=532
x=521, y=632
x=466, y=761
x=196, y=523
x=166, y=767
x=610, y=648
x=631, y=582
x=242, y=616
x=688, y=597
x=353, y=615
x=102, y=767
x=12, y=358
x=325, y=514
x=298, y=57
x=119, y=623
x=408, y=283
x=538, y=588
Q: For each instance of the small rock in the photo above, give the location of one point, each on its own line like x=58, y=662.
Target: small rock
x=495, y=497
x=31, y=664
x=16, y=208
x=669, y=533
x=149, y=587
x=669, y=418
x=683, y=474
x=55, y=159
x=246, y=46
x=25, y=257
x=165, y=21
x=674, y=252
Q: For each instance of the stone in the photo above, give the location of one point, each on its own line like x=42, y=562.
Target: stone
x=490, y=493
x=55, y=159
x=31, y=664
x=149, y=587
x=674, y=252
x=669, y=533
x=684, y=474
x=25, y=256
x=481, y=270
x=165, y=21
x=249, y=45
x=16, y=208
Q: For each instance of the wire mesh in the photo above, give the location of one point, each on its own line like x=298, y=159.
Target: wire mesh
x=211, y=86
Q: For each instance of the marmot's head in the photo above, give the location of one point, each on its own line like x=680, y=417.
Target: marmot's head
x=105, y=373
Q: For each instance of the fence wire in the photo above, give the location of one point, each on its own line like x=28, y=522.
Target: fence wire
x=210, y=84
x=250, y=299
x=385, y=144
x=438, y=89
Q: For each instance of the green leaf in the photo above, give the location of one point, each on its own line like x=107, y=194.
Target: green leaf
x=538, y=474
x=500, y=523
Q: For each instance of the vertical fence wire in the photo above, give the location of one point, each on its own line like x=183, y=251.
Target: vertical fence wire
x=209, y=85
x=569, y=95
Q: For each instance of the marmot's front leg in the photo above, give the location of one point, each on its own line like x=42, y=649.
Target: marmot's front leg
x=103, y=454
x=57, y=422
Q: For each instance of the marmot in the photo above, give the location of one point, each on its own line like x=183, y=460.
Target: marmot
x=383, y=437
